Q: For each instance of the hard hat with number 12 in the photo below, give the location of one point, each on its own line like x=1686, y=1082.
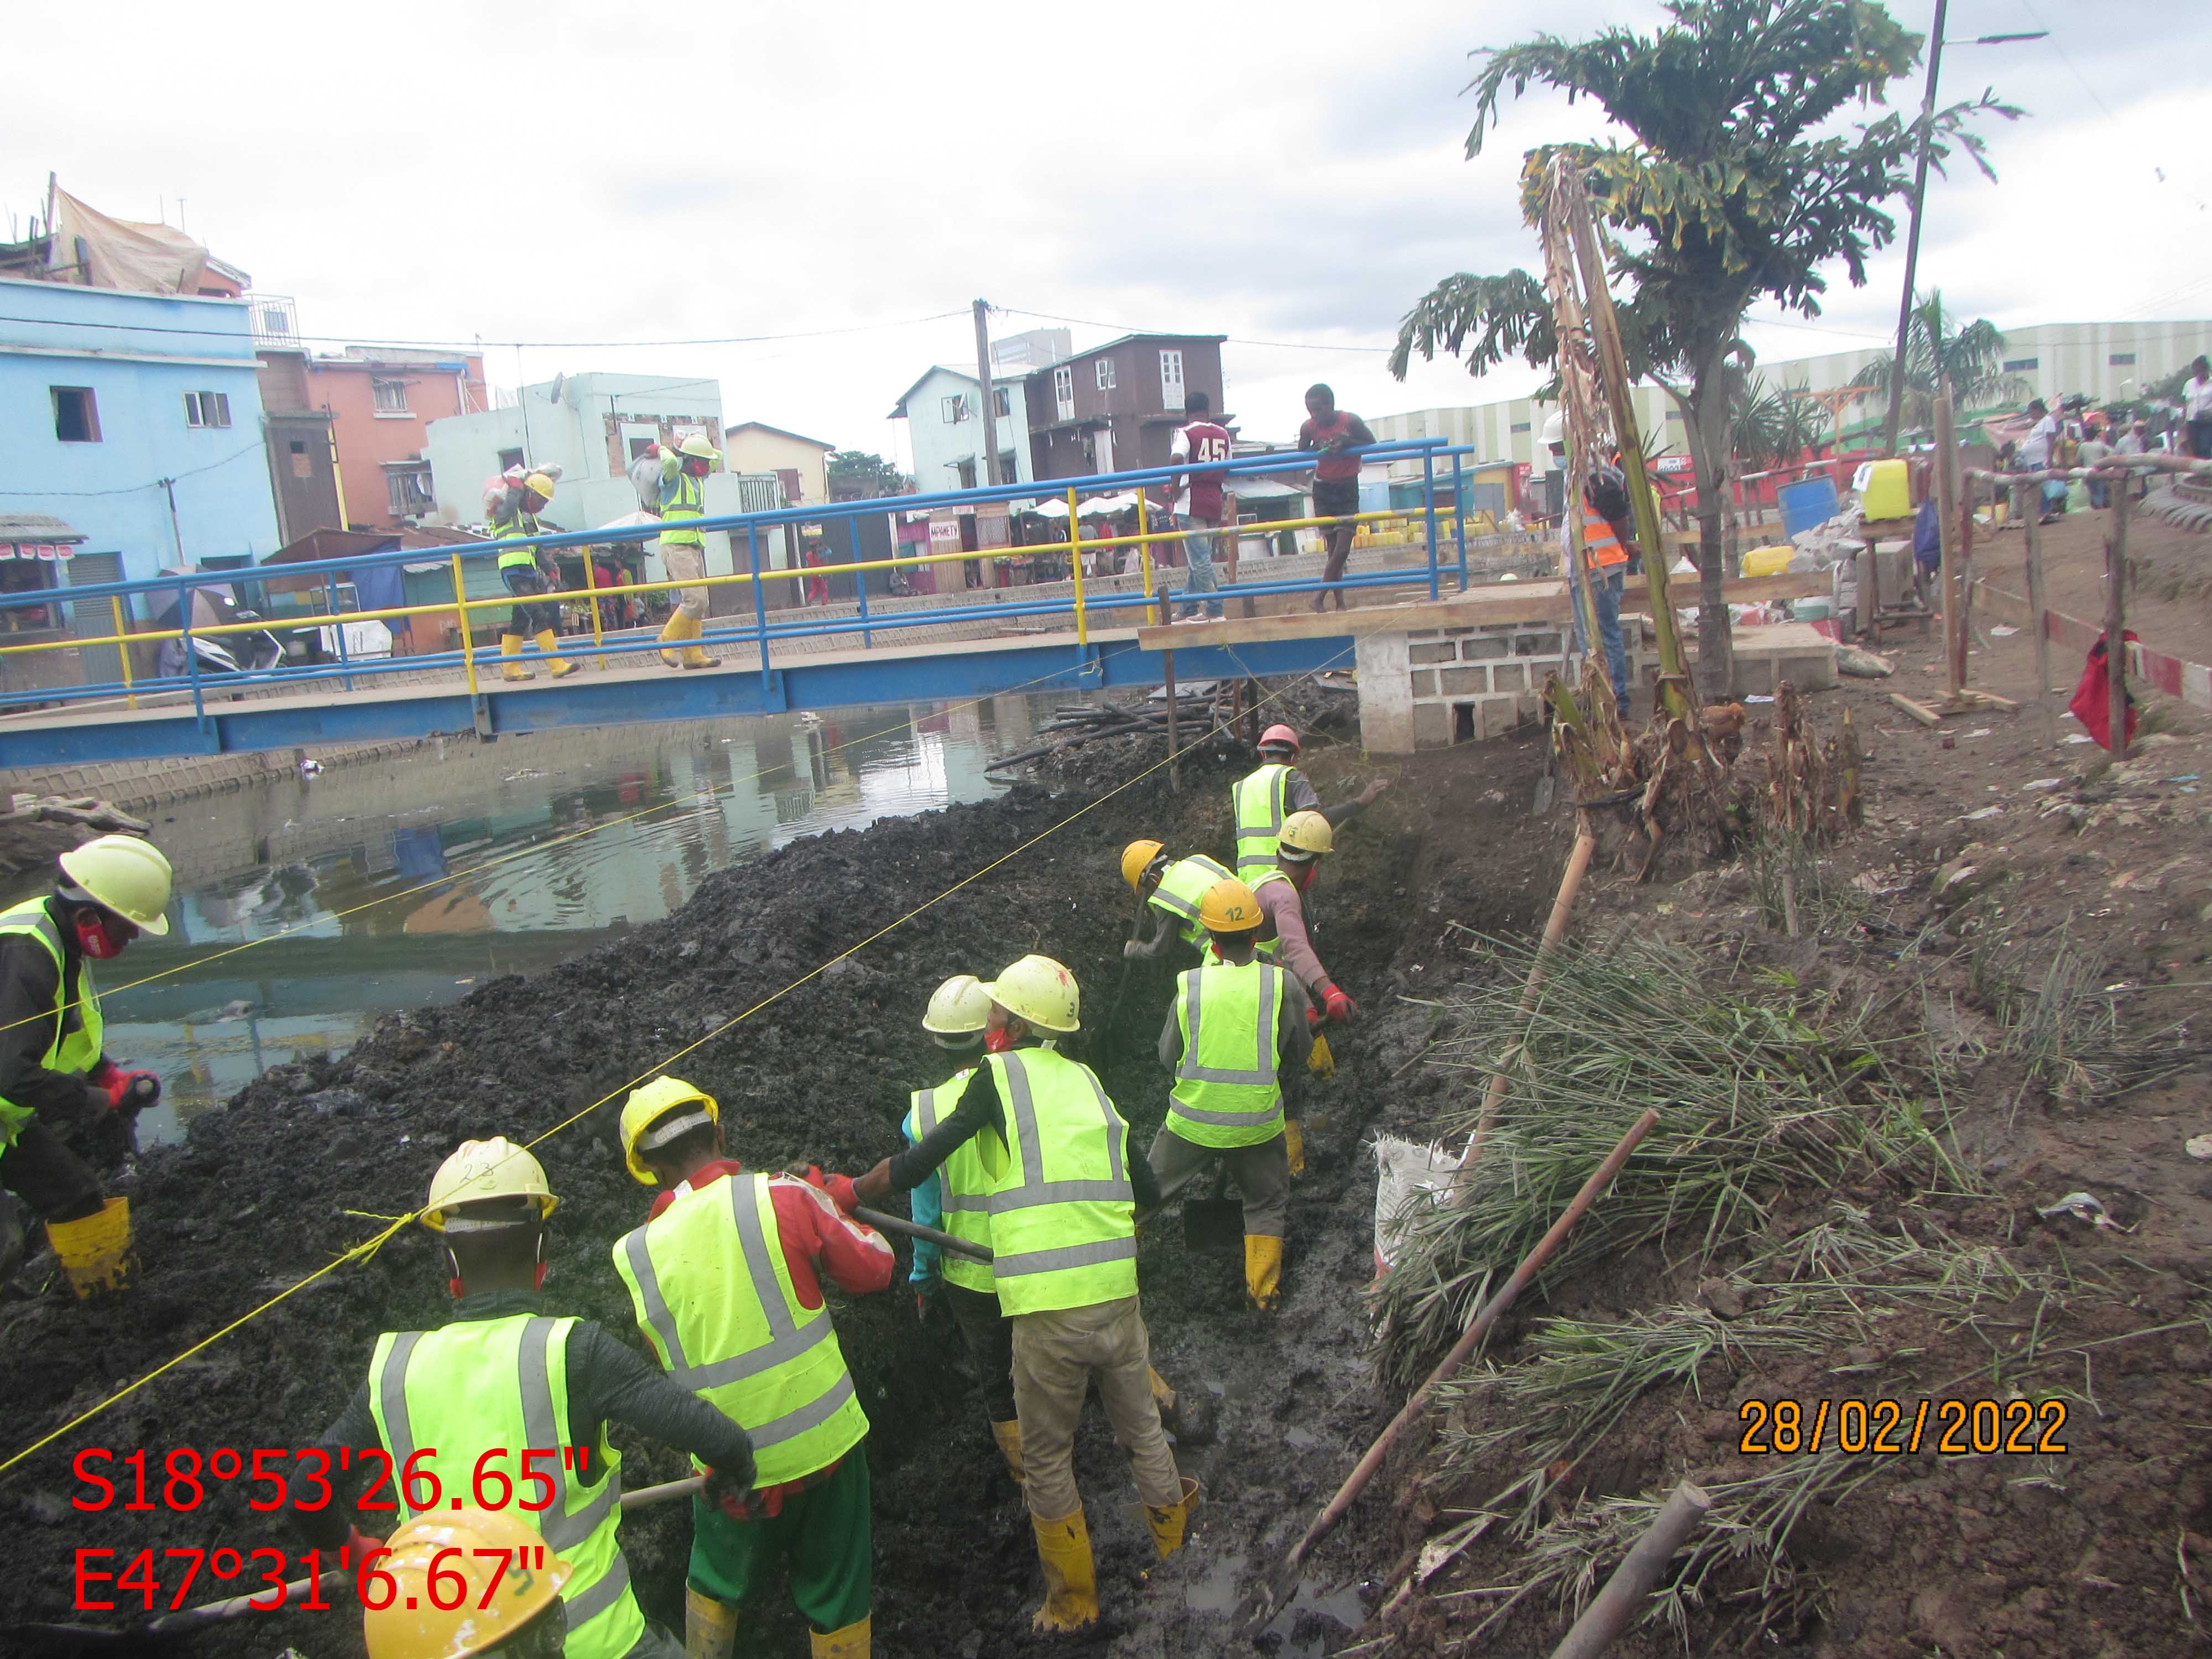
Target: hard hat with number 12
x=1228, y=907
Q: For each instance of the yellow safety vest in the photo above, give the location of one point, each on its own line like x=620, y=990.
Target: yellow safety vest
x=1271, y=945
x=508, y=530
x=682, y=497
x=78, y=1028
x=1227, y=1092
x=1259, y=805
x=713, y=1295
x=1183, y=886
x=1063, y=1212
x=482, y=1385
x=964, y=1180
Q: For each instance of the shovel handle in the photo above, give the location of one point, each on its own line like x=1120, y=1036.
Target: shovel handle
x=897, y=1223
x=213, y=1613
x=646, y=1497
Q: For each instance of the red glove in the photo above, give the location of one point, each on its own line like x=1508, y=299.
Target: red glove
x=359, y=1546
x=1340, y=1006
x=127, y=1091
x=1313, y=1015
x=840, y=1188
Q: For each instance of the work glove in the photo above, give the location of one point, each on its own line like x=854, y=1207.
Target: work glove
x=360, y=1546
x=1338, y=1006
x=126, y=1091
x=724, y=1484
x=1132, y=948
x=925, y=1295
x=839, y=1188
x=1313, y=1016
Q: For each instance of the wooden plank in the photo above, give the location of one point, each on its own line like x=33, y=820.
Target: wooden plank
x=1920, y=712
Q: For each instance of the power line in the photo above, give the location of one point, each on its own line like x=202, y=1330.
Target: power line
x=1233, y=339
x=133, y=489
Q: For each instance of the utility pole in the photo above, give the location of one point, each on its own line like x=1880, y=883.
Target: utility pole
x=1912, y=232
x=990, y=413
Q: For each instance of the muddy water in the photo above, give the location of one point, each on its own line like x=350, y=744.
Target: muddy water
x=365, y=890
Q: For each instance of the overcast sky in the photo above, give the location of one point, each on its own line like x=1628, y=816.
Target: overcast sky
x=1287, y=174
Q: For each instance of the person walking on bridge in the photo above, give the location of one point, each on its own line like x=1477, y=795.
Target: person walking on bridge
x=53, y=1059
x=683, y=469
x=1338, y=435
x=1263, y=799
x=727, y=1279
x=1198, y=502
x=527, y=571
x=506, y=1385
x=1236, y=1033
x=1063, y=1228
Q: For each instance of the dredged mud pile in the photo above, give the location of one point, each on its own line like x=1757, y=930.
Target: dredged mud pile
x=267, y=1191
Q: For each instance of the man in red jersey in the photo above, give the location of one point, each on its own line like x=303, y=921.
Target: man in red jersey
x=1336, y=434
x=1199, y=502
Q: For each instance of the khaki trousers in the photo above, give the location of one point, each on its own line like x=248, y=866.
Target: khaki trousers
x=686, y=561
x=1057, y=1356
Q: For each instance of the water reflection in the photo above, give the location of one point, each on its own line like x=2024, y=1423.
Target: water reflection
x=406, y=881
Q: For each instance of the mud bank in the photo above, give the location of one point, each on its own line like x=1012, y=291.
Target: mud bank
x=267, y=1191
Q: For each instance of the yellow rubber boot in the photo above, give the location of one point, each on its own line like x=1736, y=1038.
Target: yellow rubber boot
x=1263, y=1269
x=693, y=656
x=1168, y=1524
x=677, y=631
x=510, y=646
x=1070, y=1582
x=550, y=645
x=1294, y=1144
x=95, y=1250
x=710, y=1627
x=850, y=1642
x=1009, y=1436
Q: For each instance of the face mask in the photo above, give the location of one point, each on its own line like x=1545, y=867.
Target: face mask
x=998, y=1042
x=102, y=938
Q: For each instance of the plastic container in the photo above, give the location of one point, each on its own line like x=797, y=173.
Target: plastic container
x=1806, y=504
x=1769, y=561
x=1812, y=609
x=95, y=1251
x=1887, y=491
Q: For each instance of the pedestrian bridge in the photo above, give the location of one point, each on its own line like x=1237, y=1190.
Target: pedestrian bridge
x=1066, y=636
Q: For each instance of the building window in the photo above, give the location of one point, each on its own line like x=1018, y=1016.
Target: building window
x=76, y=415
x=391, y=396
x=1063, y=393
x=1171, y=380
x=1002, y=400
x=508, y=458
x=638, y=446
x=207, y=409
x=954, y=410
x=1105, y=373
x=302, y=465
x=407, y=491
x=2021, y=365
x=31, y=576
x=1674, y=413
x=1518, y=426
x=2121, y=360
x=967, y=469
x=1007, y=472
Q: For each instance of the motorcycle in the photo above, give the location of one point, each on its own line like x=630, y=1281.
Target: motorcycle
x=252, y=653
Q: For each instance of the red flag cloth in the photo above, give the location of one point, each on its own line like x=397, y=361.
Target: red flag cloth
x=2093, y=697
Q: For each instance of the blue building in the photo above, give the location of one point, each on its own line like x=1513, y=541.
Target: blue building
x=137, y=419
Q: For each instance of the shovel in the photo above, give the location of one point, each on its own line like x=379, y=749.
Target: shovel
x=1214, y=1224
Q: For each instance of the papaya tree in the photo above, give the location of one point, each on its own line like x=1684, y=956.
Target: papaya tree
x=1739, y=167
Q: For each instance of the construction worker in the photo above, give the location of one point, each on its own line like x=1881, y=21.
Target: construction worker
x=726, y=1276
x=527, y=570
x=1171, y=890
x=504, y=1381
x=510, y=1608
x=1261, y=800
x=1063, y=1228
x=52, y=1064
x=1609, y=543
x=1230, y=1067
x=956, y=1197
x=683, y=469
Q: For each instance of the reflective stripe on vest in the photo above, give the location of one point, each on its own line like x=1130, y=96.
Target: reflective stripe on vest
x=964, y=1180
x=1600, y=545
x=682, y=497
x=1271, y=940
x=1258, y=803
x=481, y=1384
x=79, y=1031
x=1226, y=1091
x=764, y=1360
x=1063, y=1213
x=507, y=530
x=1183, y=886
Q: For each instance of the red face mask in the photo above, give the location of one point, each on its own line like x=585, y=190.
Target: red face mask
x=997, y=1040
x=101, y=936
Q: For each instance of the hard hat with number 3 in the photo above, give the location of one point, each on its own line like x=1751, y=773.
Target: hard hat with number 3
x=482, y=1170
x=655, y=1114
x=498, y=1580
x=1304, y=834
x=1040, y=991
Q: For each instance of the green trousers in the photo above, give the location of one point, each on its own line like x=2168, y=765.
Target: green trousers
x=824, y=1536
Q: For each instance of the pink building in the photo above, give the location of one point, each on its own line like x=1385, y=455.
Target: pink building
x=380, y=401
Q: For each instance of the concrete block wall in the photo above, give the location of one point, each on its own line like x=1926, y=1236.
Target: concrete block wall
x=1431, y=688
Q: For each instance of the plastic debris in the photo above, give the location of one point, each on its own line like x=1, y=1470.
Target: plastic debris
x=1986, y=812
x=2198, y=1146
x=2083, y=1206
x=2036, y=786
x=2002, y=632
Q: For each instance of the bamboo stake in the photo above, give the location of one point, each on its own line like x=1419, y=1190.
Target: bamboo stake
x=1947, y=516
x=1613, y=1608
x=2115, y=625
x=1175, y=765
x=1965, y=571
x=2033, y=529
x=1260, y=1605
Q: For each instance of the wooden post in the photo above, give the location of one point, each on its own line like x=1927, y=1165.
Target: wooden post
x=2033, y=528
x=1946, y=518
x=2115, y=626
x=1965, y=570
x=1613, y=1608
x=1174, y=767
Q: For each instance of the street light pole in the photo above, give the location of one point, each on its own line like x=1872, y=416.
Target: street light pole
x=1912, y=232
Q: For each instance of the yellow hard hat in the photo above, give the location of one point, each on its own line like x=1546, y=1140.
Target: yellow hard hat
x=479, y=1170
x=510, y=1576
x=1137, y=858
x=646, y=1122
x=700, y=447
x=959, y=1007
x=1304, y=834
x=1039, y=990
x=1228, y=907
x=540, y=483
x=124, y=874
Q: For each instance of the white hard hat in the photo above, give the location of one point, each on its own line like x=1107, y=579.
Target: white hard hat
x=1555, y=429
x=959, y=1007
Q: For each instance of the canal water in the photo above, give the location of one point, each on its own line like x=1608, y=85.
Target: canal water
x=405, y=882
